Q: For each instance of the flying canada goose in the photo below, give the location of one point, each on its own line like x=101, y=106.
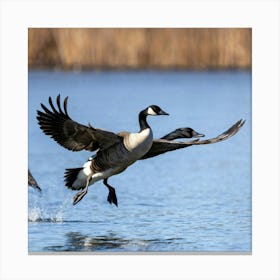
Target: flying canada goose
x=32, y=182
x=115, y=152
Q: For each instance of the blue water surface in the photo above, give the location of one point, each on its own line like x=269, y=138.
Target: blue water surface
x=196, y=199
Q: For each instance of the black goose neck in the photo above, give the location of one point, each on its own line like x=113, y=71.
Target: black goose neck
x=143, y=120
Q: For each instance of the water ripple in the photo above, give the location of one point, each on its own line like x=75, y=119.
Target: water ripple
x=75, y=241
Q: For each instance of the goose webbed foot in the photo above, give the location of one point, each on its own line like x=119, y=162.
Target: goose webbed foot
x=79, y=196
x=112, y=197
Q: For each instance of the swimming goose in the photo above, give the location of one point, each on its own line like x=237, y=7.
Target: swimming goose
x=115, y=152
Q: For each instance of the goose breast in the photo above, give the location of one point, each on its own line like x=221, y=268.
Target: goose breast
x=139, y=143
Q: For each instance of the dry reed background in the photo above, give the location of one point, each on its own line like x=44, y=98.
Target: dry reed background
x=140, y=48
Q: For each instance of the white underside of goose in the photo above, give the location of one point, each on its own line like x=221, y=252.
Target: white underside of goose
x=137, y=145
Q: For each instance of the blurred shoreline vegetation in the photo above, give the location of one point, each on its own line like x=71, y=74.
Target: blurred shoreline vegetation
x=140, y=48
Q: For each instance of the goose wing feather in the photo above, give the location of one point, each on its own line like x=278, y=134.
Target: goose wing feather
x=161, y=146
x=32, y=182
x=73, y=136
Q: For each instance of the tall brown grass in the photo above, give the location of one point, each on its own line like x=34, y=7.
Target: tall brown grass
x=163, y=48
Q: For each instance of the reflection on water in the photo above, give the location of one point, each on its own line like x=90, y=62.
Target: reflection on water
x=75, y=241
x=78, y=242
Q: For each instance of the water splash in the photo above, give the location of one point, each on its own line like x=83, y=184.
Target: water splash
x=34, y=214
x=38, y=213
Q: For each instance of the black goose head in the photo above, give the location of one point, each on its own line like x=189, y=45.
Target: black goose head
x=183, y=132
x=154, y=110
x=187, y=132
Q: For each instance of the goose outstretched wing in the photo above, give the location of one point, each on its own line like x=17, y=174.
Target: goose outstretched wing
x=161, y=146
x=71, y=135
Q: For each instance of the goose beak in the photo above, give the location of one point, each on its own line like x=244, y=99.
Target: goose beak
x=161, y=112
x=197, y=135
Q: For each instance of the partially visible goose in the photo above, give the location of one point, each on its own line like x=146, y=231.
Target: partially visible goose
x=32, y=182
x=115, y=152
x=183, y=132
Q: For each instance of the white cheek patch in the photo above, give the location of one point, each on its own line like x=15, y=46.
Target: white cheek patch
x=151, y=111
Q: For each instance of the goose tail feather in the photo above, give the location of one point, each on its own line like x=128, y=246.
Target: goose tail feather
x=74, y=178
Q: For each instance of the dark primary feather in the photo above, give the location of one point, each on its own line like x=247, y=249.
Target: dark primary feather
x=161, y=146
x=71, y=135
